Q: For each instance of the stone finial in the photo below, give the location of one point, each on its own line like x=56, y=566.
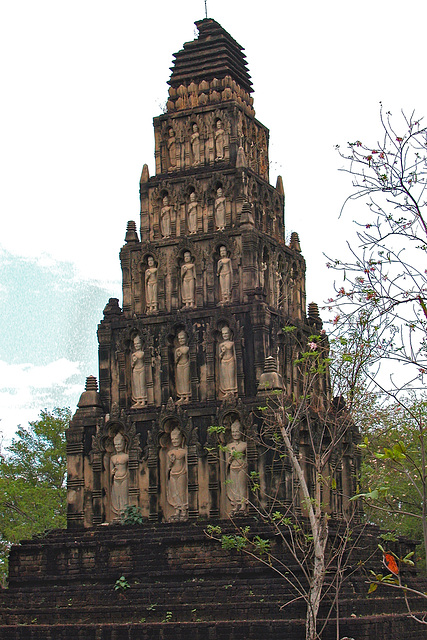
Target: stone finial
x=339, y=404
x=270, y=380
x=90, y=397
x=294, y=243
x=145, y=175
x=131, y=234
x=241, y=162
x=91, y=384
x=170, y=407
x=115, y=411
x=314, y=316
x=246, y=216
x=279, y=186
x=313, y=310
x=196, y=64
x=112, y=307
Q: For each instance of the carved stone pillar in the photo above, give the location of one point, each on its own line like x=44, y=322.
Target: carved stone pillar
x=239, y=362
x=289, y=483
x=175, y=302
x=153, y=482
x=210, y=363
x=155, y=223
x=193, y=479
x=149, y=374
x=261, y=327
x=347, y=483
x=133, y=467
x=161, y=293
x=164, y=368
x=252, y=460
x=157, y=153
x=97, y=469
x=210, y=284
x=127, y=279
x=123, y=386
x=104, y=350
x=213, y=484
x=75, y=477
x=336, y=499
x=199, y=287
x=145, y=214
x=79, y=487
x=194, y=380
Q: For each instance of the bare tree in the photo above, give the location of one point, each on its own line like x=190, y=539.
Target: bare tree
x=382, y=297
x=317, y=439
x=385, y=277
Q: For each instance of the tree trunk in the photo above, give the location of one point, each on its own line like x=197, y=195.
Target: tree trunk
x=316, y=583
x=319, y=531
x=424, y=489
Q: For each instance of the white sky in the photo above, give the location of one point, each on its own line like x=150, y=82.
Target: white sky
x=81, y=82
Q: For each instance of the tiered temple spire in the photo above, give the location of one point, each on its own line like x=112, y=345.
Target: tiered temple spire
x=215, y=54
x=208, y=286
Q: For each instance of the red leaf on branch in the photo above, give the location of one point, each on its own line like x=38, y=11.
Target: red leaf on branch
x=390, y=563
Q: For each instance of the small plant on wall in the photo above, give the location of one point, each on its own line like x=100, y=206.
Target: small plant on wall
x=131, y=515
x=121, y=584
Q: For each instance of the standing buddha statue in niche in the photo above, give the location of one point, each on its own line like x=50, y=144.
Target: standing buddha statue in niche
x=192, y=214
x=237, y=470
x=227, y=364
x=195, y=145
x=280, y=295
x=182, y=369
x=151, y=286
x=219, y=141
x=139, y=389
x=177, y=482
x=262, y=271
x=119, y=463
x=225, y=274
x=165, y=218
x=220, y=210
x=188, y=280
x=172, y=149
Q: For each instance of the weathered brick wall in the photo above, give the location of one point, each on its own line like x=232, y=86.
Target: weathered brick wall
x=376, y=627
x=181, y=584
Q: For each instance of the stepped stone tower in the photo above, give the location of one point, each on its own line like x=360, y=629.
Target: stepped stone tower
x=212, y=326
x=209, y=286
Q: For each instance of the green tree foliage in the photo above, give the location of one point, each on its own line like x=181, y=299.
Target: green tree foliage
x=381, y=319
x=394, y=471
x=32, y=481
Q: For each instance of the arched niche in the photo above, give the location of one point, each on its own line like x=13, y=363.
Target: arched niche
x=104, y=470
x=162, y=466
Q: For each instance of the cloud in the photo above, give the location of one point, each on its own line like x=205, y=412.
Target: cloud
x=17, y=377
x=26, y=389
x=48, y=339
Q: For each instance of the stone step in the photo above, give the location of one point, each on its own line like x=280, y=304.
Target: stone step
x=177, y=574
x=100, y=605
x=396, y=626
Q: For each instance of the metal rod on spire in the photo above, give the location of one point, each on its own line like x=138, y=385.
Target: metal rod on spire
x=206, y=8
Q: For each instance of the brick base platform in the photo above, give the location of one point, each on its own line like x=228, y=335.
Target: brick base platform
x=181, y=585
